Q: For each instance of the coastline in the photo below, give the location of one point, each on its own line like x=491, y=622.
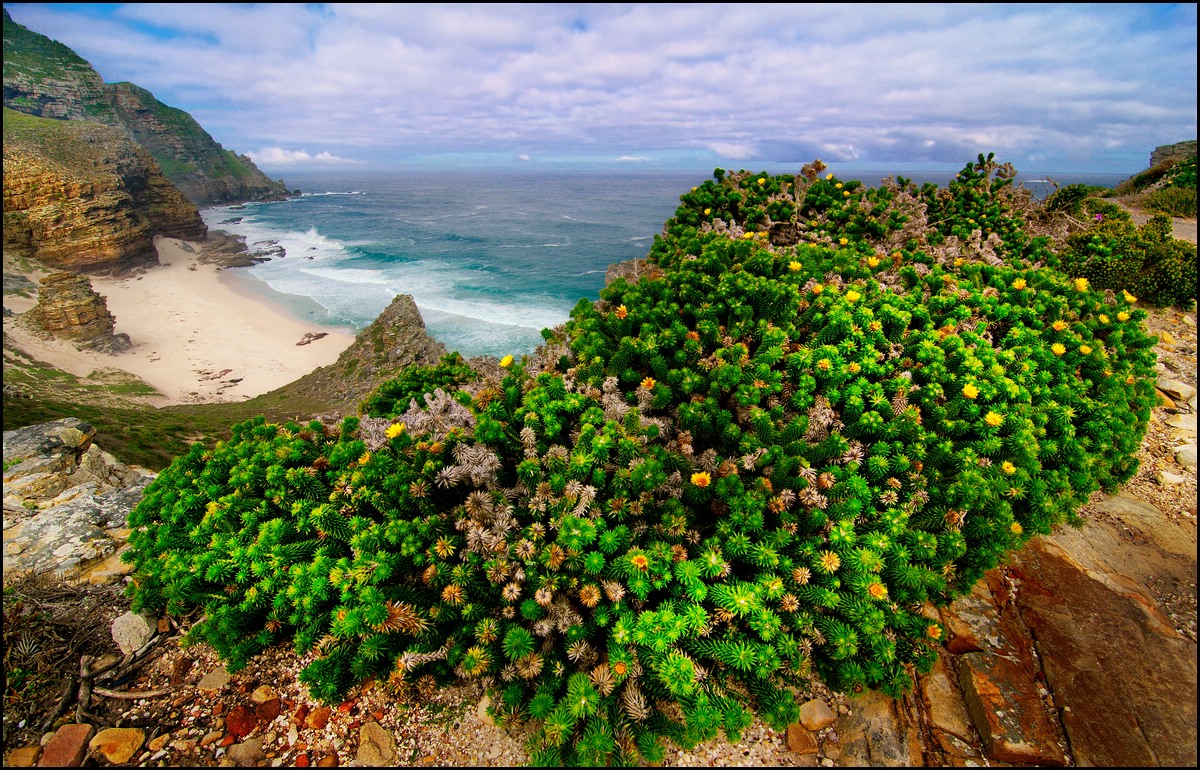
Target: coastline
x=199, y=335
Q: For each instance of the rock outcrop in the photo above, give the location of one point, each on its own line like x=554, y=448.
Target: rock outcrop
x=68, y=307
x=46, y=79
x=66, y=502
x=1173, y=153
x=86, y=198
x=393, y=341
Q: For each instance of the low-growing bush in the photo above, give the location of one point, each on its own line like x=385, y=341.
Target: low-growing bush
x=824, y=414
x=1147, y=261
x=1172, y=201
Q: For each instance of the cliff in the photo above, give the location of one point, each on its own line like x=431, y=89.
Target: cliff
x=46, y=79
x=85, y=197
x=1173, y=153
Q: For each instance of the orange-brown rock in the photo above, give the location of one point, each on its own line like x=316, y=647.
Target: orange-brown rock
x=86, y=198
x=68, y=307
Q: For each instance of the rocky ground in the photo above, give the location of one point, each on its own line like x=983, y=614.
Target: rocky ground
x=1081, y=650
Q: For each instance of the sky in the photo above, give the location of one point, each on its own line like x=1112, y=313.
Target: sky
x=1055, y=87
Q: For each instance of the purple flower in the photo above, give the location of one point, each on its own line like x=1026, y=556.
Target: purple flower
x=1098, y=217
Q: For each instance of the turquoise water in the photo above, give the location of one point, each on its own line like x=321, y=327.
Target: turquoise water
x=491, y=258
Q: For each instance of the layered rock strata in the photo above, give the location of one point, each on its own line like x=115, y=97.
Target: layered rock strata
x=84, y=197
x=69, y=308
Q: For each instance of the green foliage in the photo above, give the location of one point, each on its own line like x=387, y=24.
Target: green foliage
x=1172, y=201
x=1146, y=261
x=821, y=413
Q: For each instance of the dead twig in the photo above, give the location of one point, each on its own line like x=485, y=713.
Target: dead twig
x=68, y=687
x=133, y=695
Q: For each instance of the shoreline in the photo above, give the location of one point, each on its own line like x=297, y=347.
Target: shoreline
x=198, y=336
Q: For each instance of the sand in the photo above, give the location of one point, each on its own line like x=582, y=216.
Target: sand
x=198, y=335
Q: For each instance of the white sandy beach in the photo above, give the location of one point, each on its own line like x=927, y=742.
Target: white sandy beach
x=197, y=336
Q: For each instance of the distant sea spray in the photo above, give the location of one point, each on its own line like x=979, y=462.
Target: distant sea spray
x=491, y=258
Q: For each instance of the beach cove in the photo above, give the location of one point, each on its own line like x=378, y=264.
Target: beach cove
x=199, y=335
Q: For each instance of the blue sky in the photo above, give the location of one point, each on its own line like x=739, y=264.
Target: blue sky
x=1071, y=87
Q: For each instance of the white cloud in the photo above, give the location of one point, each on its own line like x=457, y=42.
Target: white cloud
x=278, y=156
x=748, y=82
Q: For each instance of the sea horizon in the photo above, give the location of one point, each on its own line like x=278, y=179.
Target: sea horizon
x=491, y=257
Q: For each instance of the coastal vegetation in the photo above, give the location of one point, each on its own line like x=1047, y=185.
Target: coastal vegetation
x=827, y=408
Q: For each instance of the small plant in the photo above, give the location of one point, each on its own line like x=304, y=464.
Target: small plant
x=828, y=408
x=1147, y=261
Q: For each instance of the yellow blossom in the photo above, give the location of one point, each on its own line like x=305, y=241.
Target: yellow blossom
x=507, y=360
x=818, y=288
x=748, y=235
x=1129, y=297
x=794, y=265
x=872, y=261
x=970, y=391
x=843, y=241
x=639, y=560
x=701, y=479
x=1130, y=380
x=838, y=185
x=1085, y=349
x=1122, y=316
x=395, y=429
x=1058, y=348
x=762, y=180
x=934, y=631
x=877, y=591
x=622, y=311
x=995, y=419
x=1019, y=283
x=830, y=561
x=1016, y=528
x=1008, y=468
x=707, y=212
x=1081, y=284
x=1103, y=318
x=1058, y=325
x=959, y=262
x=853, y=367
x=649, y=383
x=366, y=458
x=824, y=364
x=829, y=175
x=845, y=193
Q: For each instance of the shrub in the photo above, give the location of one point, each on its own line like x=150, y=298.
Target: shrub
x=1146, y=261
x=758, y=465
x=1172, y=201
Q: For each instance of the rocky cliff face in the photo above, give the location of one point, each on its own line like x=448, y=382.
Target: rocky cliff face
x=46, y=79
x=1173, y=153
x=84, y=197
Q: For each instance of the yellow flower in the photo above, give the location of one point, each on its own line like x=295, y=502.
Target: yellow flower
x=1129, y=297
x=845, y=193
x=1081, y=284
x=1103, y=318
x=838, y=185
x=395, y=429
x=1019, y=283
x=748, y=235
x=649, y=383
x=1008, y=468
x=829, y=175
x=1058, y=348
x=843, y=241
x=852, y=295
x=1085, y=349
x=830, y=561
x=366, y=458
x=959, y=262
x=934, y=631
x=701, y=479
x=872, y=261
x=853, y=367
x=818, y=288
x=640, y=561
x=877, y=591
x=1122, y=316
x=1058, y=325
x=794, y=266
x=507, y=360
x=824, y=364
x=1130, y=380
x=622, y=311
x=707, y=212
x=995, y=419
x=1016, y=528
x=762, y=180
x=970, y=391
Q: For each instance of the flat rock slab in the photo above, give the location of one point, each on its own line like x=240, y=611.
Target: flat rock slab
x=880, y=732
x=1129, y=685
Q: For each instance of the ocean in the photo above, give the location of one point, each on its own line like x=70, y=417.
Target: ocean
x=491, y=257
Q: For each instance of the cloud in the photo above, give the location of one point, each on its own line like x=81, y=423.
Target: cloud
x=756, y=82
x=278, y=156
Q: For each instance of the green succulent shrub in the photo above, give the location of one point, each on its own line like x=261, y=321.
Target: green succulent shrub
x=1147, y=261
x=824, y=414
x=1172, y=201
